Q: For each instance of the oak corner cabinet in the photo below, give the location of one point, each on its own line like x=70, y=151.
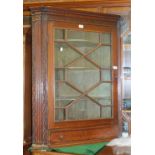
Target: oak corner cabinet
x=74, y=77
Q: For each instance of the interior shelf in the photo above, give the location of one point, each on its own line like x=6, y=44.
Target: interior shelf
x=77, y=42
x=80, y=42
x=74, y=98
x=83, y=68
x=74, y=68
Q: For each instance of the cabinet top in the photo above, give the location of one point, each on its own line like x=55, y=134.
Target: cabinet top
x=74, y=15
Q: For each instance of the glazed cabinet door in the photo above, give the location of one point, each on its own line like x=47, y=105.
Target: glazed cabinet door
x=82, y=74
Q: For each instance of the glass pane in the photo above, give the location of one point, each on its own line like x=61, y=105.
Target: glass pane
x=59, y=34
x=84, y=109
x=106, y=75
x=64, y=54
x=83, y=41
x=60, y=74
x=59, y=114
x=102, y=56
x=106, y=38
x=82, y=36
x=64, y=91
x=63, y=102
x=82, y=64
x=106, y=112
x=83, y=79
x=103, y=101
x=83, y=46
x=102, y=91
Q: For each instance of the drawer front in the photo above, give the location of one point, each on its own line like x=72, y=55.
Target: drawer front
x=82, y=136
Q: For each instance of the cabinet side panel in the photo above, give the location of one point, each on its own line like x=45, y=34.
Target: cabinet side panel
x=39, y=79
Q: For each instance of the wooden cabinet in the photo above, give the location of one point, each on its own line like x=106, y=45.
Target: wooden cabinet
x=74, y=77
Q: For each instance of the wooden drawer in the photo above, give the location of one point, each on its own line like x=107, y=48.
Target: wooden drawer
x=85, y=136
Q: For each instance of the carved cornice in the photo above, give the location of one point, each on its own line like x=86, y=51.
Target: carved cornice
x=59, y=14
